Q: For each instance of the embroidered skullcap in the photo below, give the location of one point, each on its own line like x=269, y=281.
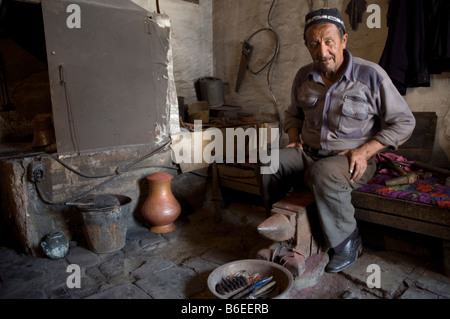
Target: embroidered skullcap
x=324, y=15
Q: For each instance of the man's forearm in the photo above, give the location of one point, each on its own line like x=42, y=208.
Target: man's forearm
x=370, y=148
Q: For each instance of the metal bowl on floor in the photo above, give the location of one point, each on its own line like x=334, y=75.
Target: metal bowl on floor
x=282, y=277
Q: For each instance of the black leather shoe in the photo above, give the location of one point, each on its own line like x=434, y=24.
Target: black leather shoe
x=346, y=257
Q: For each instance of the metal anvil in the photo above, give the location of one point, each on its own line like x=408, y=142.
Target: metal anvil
x=294, y=228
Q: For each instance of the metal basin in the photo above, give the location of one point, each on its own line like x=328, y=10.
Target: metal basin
x=282, y=276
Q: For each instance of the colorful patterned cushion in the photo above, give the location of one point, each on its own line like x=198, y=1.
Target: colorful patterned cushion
x=430, y=191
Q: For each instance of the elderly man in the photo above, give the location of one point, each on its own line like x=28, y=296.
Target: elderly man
x=344, y=110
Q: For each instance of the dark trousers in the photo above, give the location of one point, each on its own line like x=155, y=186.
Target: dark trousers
x=328, y=178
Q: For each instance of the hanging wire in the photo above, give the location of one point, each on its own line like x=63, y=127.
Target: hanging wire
x=271, y=61
x=110, y=176
x=275, y=55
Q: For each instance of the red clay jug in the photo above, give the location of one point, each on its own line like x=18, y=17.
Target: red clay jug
x=161, y=208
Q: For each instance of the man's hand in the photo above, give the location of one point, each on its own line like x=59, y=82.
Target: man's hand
x=295, y=144
x=358, y=158
x=294, y=138
x=357, y=163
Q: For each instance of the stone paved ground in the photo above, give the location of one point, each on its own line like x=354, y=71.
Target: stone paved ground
x=176, y=266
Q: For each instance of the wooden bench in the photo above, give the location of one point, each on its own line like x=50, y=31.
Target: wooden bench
x=415, y=217
x=407, y=215
x=396, y=213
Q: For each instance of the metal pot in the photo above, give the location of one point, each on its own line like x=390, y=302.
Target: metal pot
x=55, y=245
x=212, y=90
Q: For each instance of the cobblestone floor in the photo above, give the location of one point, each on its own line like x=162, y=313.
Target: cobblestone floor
x=176, y=266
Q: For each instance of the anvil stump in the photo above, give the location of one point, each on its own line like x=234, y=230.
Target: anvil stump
x=294, y=227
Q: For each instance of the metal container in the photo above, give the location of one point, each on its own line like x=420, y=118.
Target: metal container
x=283, y=277
x=106, y=228
x=55, y=245
x=212, y=90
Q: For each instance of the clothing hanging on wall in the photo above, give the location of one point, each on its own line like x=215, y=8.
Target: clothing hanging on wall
x=437, y=19
x=417, y=42
x=403, y=56
x=355, y=10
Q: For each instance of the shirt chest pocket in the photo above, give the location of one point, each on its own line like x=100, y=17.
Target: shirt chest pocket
x=311, y=110
x=354, y=114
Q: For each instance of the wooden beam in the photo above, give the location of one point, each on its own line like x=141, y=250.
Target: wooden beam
x=417, y=226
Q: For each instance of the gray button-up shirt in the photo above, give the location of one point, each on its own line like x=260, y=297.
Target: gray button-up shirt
x=362, y=105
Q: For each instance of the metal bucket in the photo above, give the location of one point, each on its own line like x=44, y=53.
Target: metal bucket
x=211, y=90
x=105, y=229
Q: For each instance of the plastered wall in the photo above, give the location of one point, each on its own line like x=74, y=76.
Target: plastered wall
x=192, y=41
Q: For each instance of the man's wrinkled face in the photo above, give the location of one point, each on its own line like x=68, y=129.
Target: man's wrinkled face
x=326, y=47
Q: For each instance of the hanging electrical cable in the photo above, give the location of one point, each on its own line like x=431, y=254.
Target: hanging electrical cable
x=270, y=64
x=275, y=55
x=118, y=172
